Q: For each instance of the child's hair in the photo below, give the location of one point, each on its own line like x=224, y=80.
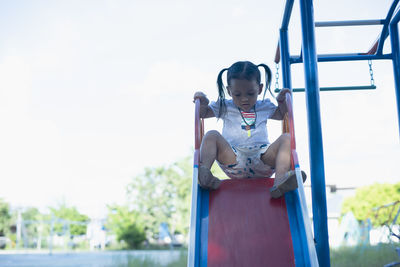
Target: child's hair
x=242, y=70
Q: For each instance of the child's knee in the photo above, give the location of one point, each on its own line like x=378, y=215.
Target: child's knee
x=285, y=138
x=212, y=135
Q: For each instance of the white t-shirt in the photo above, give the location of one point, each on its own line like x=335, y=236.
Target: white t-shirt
x=235, y=130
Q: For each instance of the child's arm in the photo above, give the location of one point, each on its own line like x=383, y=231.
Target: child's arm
x=205, y=110
x=280, y=112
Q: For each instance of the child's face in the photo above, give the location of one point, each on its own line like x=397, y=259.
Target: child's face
x=244, y=93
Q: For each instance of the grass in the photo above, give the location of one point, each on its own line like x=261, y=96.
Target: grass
x=364, y=256
x=358, y=256
x=133, y=261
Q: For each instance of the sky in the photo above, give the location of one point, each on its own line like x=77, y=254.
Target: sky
x=92, y=92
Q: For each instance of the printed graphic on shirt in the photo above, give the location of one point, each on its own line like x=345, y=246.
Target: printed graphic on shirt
x=248, y=121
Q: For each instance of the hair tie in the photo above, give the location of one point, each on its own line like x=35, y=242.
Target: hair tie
x=268, y=76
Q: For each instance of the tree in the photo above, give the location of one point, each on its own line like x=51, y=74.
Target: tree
x=126, y=225
x=369, y=198
x=163, y=195
x=5, y=219
x=34, y=228
x=153, y=195
x=69, y=215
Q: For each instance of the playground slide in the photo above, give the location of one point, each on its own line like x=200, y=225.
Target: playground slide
x=241, y=225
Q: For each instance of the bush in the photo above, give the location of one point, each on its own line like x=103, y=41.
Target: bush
x=364, y=256
x=132, y=235
x=368, y=198
x=126, y=225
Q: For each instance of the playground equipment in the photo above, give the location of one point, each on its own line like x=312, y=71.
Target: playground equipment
x=240, y=225
x=309, y=58
x=372, y=85
x=244, y=236
x=393, y=210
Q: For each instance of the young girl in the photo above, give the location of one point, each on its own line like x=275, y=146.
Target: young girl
x=243, y=149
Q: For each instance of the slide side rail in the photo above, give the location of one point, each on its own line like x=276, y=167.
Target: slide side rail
x=296, y=167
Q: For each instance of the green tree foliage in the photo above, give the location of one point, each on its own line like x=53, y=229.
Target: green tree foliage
x=33, y=223
x=31, y=214
x=160, y=194
x=69, y=215
x=5, y=220
x=126, y=224
x=371, y=197
x=163, y=194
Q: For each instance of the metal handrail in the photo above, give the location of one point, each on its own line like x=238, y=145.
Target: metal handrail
x=290, y=121
x=197, y=125
x=194, y=244
x=198, y=132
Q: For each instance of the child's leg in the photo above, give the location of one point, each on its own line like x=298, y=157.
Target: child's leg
x=278, y=156
x=213, y=147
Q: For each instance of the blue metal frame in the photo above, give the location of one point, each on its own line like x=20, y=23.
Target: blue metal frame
x=286, y=14
x=296, y=220
x=315, y=133
x=299, y=238
x=284, y=48
x=335, y=88
x=384, y=32
x=342, y=57
x=309, y=57
x=349, y=23
x=394, y=40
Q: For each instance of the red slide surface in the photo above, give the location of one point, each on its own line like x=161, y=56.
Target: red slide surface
x=247, y=227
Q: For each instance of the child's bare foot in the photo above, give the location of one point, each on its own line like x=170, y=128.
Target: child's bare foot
x=207, y=180
x=285, y=184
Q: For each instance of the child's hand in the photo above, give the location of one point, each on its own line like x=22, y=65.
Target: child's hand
x=203, y=98
x=282, y=95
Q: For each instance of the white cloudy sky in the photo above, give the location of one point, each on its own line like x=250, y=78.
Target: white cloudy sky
x=91, y=92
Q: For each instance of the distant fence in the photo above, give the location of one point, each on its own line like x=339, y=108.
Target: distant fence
x=56, y=233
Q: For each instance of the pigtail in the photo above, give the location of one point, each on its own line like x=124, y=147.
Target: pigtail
x=268, y=77
x=221, y=94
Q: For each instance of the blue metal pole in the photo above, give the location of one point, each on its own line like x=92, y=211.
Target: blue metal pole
x=394, y=40
x=349, y=23
x=384, y=32
x=304, y=254
x=315, y=133
x=342, y=57
x=286, y=14
x=285, y=59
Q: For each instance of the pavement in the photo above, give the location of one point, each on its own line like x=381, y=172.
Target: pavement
x=86, y=259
